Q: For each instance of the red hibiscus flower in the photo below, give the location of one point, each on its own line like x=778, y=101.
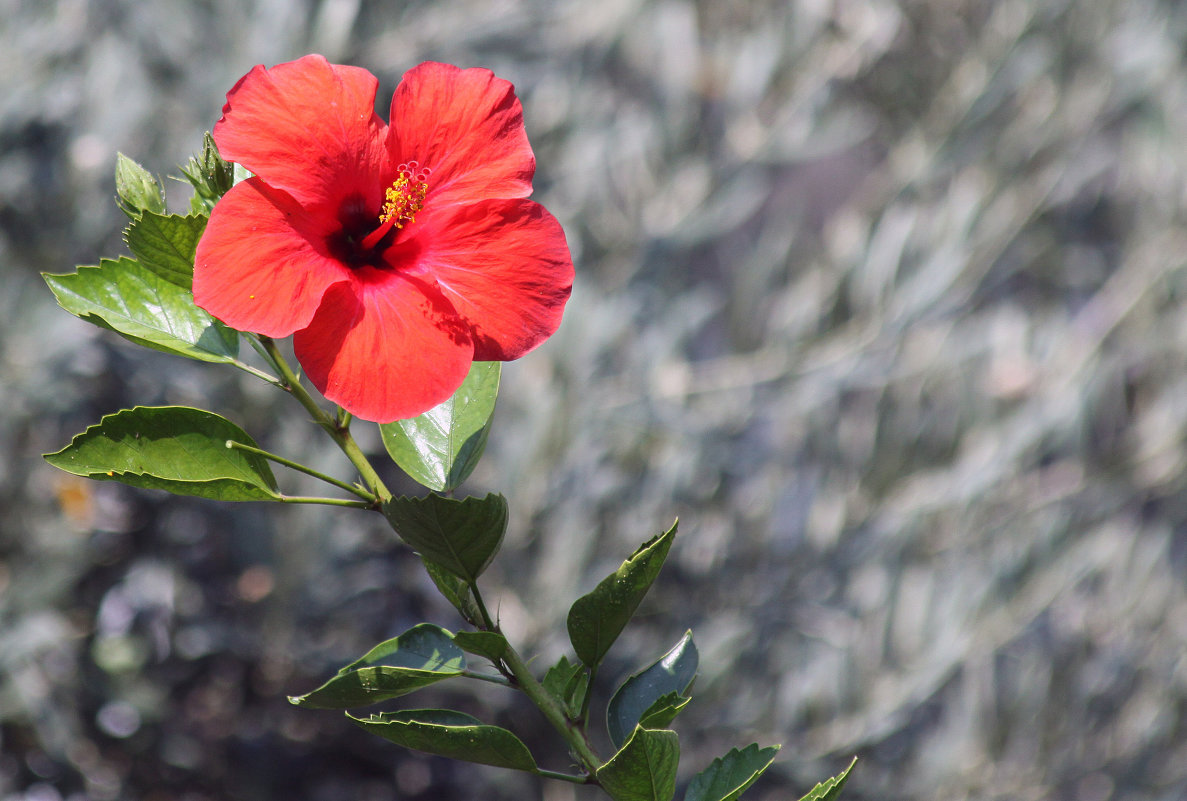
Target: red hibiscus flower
x=396, y=253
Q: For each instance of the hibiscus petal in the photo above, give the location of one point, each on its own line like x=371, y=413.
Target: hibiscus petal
x=385, y=347
x=308, y=127
x=505, y=266
x=467, y=126
x=257, y=268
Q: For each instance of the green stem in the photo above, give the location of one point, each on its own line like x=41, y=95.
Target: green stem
x=340, y=434
x=487, y=623
x=247, y=368
x=485, y=677
x=564, y=777
x=326, y=501
x=309, y=471
x=593, y=672
x=552, y=710
x=259, y=348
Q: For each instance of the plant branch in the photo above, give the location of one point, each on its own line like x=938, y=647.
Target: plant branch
x=551, y=708
x=486, y=677
x=564, y=777
x=309, y=471
x=260, y=374
x=326, y=501
x=487, y=622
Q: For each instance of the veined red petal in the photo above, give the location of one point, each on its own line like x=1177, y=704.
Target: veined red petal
x=504, y=266
x=467, y=126
x=258, y=266
x=385, y=346
x=308, y=127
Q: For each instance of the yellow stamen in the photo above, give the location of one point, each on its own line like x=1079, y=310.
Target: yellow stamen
x=402, y=200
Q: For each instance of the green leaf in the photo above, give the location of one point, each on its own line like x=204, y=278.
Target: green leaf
x=461, y=536
x=210, y=176
x=424, y=647
x=455, y=590
x=595, y=620
x=568, y=682
x=663, y=711
x=727, y=777
x=451, y=734
x=560, y=676
x=644, y=769
x=489, y=644
x=830, y=789
x=144, y=308
x=137, y=189
x=441, y=447
x=423, y=655
x=173, y=448
x=671, y=674
x=165, y=244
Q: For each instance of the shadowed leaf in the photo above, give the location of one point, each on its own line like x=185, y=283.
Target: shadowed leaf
x=666, y=678
x=727, y=777
x=451, y=734
x=644, y=769
x=461, y=536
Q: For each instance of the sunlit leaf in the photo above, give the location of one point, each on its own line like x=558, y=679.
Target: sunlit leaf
x=165, y=244
x=139, y=305
x=173, y=448
x=595, y=620
x=210, y=176
x=423, y=655
x=441, y=447
x=138, y=191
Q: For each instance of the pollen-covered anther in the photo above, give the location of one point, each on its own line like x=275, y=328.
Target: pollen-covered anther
x=401, y=201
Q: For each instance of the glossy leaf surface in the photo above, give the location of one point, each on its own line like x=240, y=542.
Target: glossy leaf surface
x=671, y=674
x=144, y=308
x=173, y=448
x=441, y=447
x=423, y=655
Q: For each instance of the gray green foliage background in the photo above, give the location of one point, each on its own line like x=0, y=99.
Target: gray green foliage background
x=884, y=300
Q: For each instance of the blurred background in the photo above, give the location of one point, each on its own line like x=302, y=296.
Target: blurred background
x=883, y=299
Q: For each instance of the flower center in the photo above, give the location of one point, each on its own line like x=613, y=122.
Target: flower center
x=402, y=200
